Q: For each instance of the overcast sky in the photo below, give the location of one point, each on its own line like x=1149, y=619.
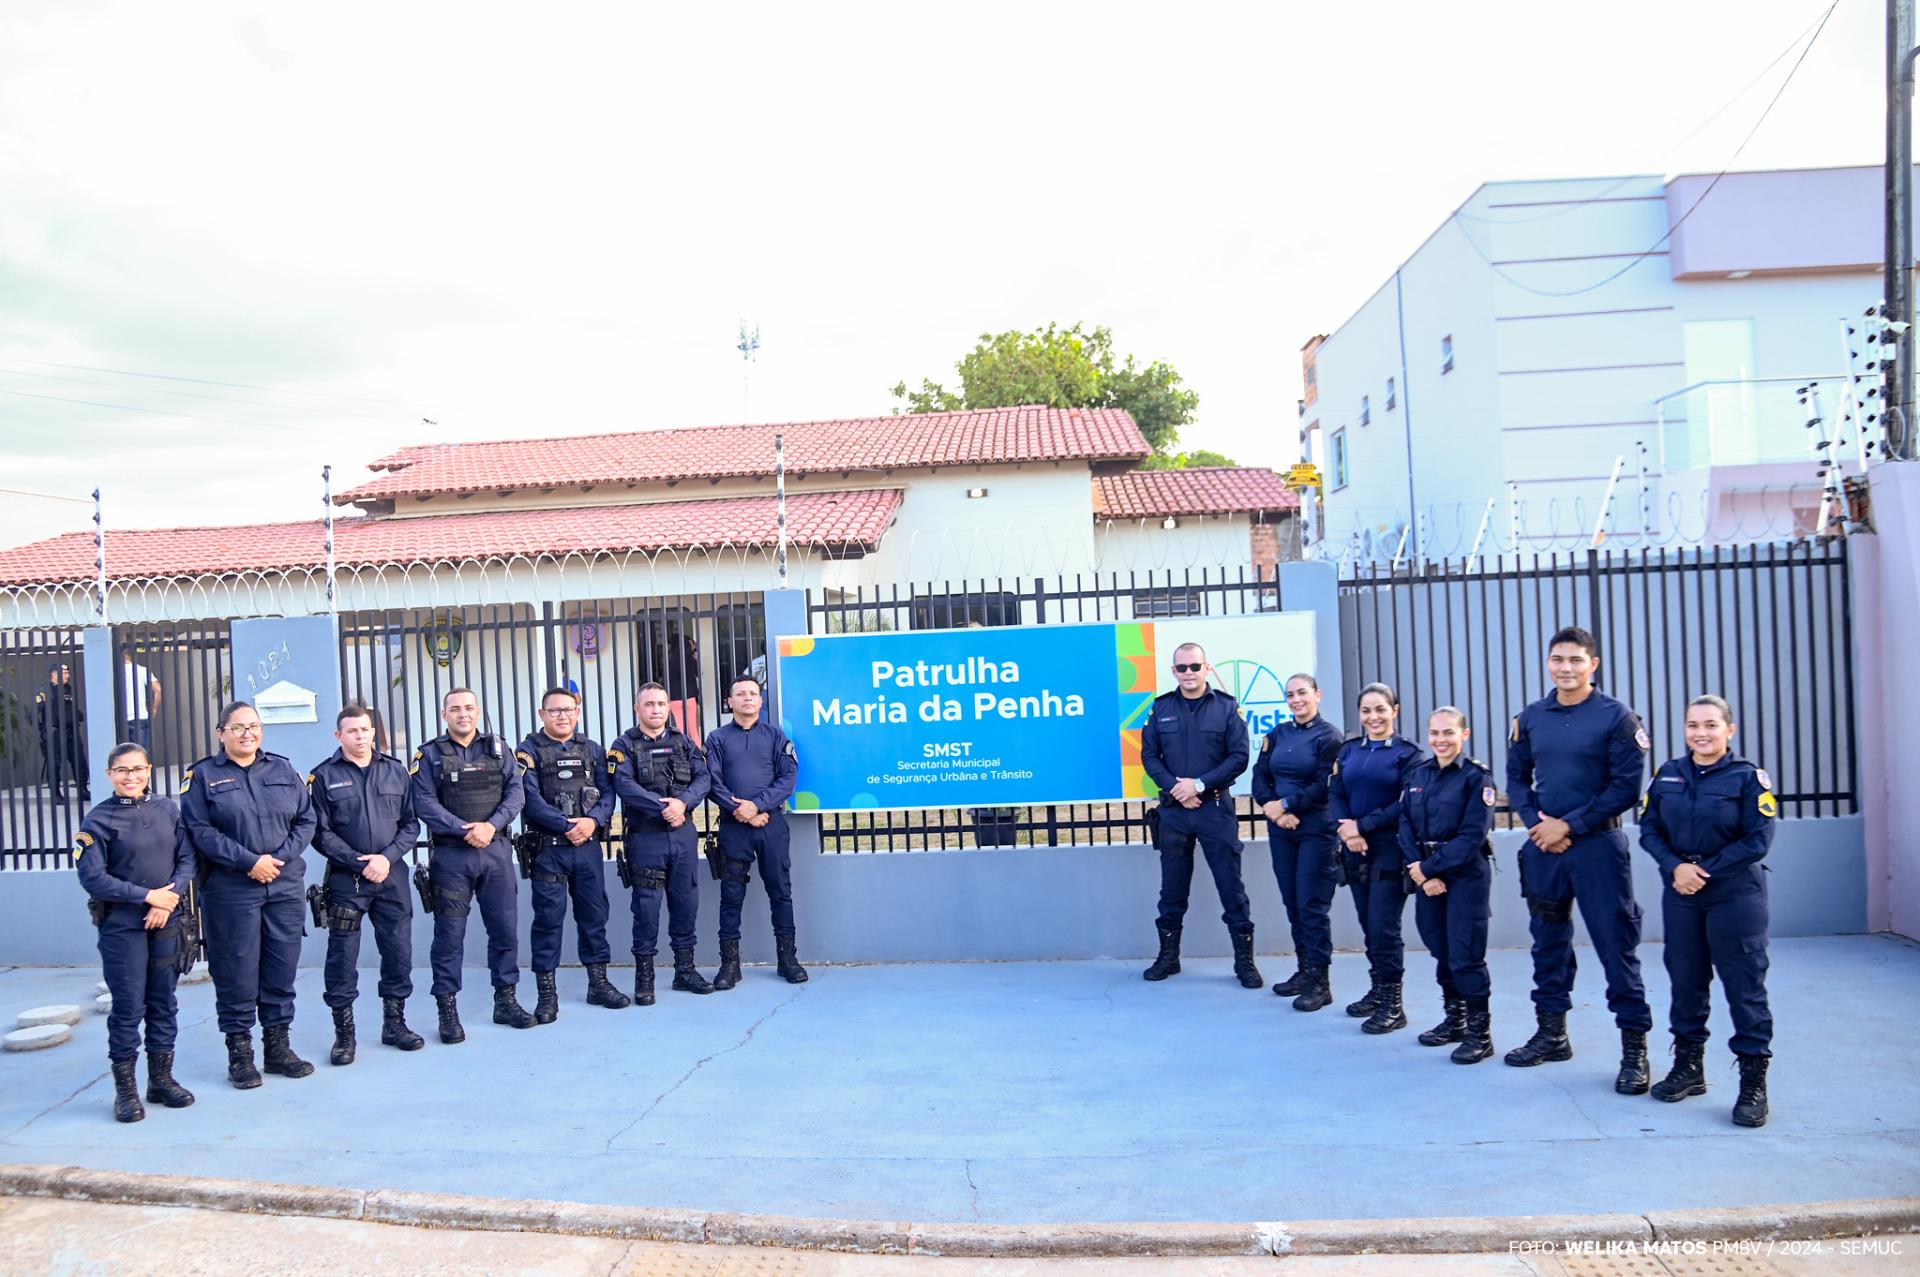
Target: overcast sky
x=547, y=220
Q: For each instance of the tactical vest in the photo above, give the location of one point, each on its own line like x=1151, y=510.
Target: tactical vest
x=470, y=790
x=664, y=766
x=566, y=776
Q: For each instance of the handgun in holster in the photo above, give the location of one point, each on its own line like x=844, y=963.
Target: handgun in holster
x=525, y=847
x=1153, y=825
x=193, y=939
x=319, y=900
x=712, y=847
x=623, y=867
x=97, y=910
x=423, y=883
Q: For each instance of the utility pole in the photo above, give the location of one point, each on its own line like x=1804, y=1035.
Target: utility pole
x=748, y=346
x=1898, y=306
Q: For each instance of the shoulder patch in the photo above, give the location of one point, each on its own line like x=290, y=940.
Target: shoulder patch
x=616, y=756
x=1640, y=739
x=1336, y=768
x=1769, y=806
x=1516, y=727
x=186, y=782
x=1487, y=795
x=1760, y=774
x=522, y=757
x=413, y=768
x=81, y=842
x=1266, y=744
x=310, y=777
x=787, y=749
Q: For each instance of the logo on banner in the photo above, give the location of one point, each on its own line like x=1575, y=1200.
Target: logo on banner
x=583, y=636
x=1262, y=693
x=443, y=637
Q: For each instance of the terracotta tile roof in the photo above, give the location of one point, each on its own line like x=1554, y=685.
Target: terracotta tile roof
x=989, y=437
x=837, y=518
x=1154, y=494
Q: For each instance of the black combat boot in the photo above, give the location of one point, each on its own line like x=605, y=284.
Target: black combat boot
x=450, y=1028
x=508, y=1011
x=1688, y=1075
x=1453, y=1022
x=686, y=976
x=1243, y=969
x=1548, y=1045
x=1367, y=1003
x=161, y=1088
x=788, y=964
x=643, y=981
x=345, y=1044
x=126, y=1092
x=1389, y=1015
x=729, y=973
x=1633, y=1078
x=276, y=1054
x=1316, y=990
x=1291, y=986
x=546, y=1003
x=600, y=990
x=393, y=1026
x=1751, y=1108
x=1168, y=963
x=240, y=1070
x=1476, y=1041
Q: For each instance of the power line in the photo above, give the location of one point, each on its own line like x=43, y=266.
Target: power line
x=187, y=416
x=44, y=496
x=189, y=394
x=1655, y=247
x=202, y=381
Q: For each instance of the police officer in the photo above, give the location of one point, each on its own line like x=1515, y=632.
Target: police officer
x=249, y=816
x=1575, y=765
x=1193, y=746
x=1363, y=800
x=57, y=720
x=661, y=777
x=466, y=789
x=752, y=766
x=1290, y=779
x=1446, y=815
x=1708, y=821
x=136, y=868
x=365, y=826
x=569, y=802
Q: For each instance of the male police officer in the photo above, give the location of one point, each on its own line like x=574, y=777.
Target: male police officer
x=568, y=803
x=1193, y=746
x=1574, y=766
x=752, y=766
x=661, y=776
x=60, y=725
x=365, y=829
x=466, y=787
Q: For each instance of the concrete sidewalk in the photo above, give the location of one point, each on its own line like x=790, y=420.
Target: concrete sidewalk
x=1020, y=1093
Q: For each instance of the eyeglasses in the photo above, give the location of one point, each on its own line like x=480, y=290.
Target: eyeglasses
x=128, y=771
x=237, y=730
x=558, y=711
x=1189, y=669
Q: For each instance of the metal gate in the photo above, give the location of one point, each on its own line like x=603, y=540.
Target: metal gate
x=45, y=773
x=170, y=680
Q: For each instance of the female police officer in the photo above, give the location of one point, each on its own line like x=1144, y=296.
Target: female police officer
x=249, y=816
x=1290, y=785
x=135, y=868
x=1708, y=820
x=1446, y=813
x=1363, y=798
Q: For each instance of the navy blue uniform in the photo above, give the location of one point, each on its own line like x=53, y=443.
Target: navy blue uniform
x=755, y=763
x=464, y=875
x=1721, y=819
x=60, y=724
x=565, y=780
x=1295, y=766
x=126, y=847
x=1446, y=817
x=1202, y=739
x=365, y=811
x=646, y=771
x=231, y=816
x=1582, y=764
x=1368, y=777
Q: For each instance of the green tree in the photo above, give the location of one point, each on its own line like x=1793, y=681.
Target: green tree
x=1187, y=460
x=1063, y=368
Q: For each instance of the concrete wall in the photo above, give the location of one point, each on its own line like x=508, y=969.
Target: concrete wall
x=1886, y=596
x=1015, y=904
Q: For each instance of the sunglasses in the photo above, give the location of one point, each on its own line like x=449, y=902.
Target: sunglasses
x=1189, y=669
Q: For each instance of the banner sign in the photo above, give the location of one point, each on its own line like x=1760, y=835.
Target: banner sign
x=1012, y=716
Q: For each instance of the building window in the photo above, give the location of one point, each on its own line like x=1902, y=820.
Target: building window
x=963, y=611
x=1339, y=459
x=1446, y=353
x=1167, y=602
x=1366, y=411
x=1392, y=398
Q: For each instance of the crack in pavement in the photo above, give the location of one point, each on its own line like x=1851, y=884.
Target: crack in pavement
x=973, y=1189
x=91, y=1082
x=697, y=1066
x=1577, y=1107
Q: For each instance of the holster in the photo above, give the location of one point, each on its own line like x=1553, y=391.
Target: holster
x=525, y=847
x=193, y=945
x=1153, y=826
x=712, y=849
x=623, y=867
x=423, y=883
x=318, y=899
x=97, y=910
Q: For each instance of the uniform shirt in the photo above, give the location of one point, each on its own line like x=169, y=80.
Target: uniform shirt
x=1368, y=777
x=541, y=815
x=1580, y=763
x=1446, y=814
x=234, y=815
x=1295, y=764
x=128, y=846
x=641, y=803
x=1201, y=738
x=57, y=709
x=755, y=763
x=362, y=811
x=1719, y=817
x=443, y=824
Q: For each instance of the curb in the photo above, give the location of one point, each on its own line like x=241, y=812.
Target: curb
x=1799, y=1221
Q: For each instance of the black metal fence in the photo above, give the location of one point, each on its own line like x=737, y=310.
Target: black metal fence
x=44, y=768
x=170, y=680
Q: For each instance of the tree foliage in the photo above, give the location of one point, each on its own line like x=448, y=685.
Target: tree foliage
x=1065, y=368
x=1187, y=460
